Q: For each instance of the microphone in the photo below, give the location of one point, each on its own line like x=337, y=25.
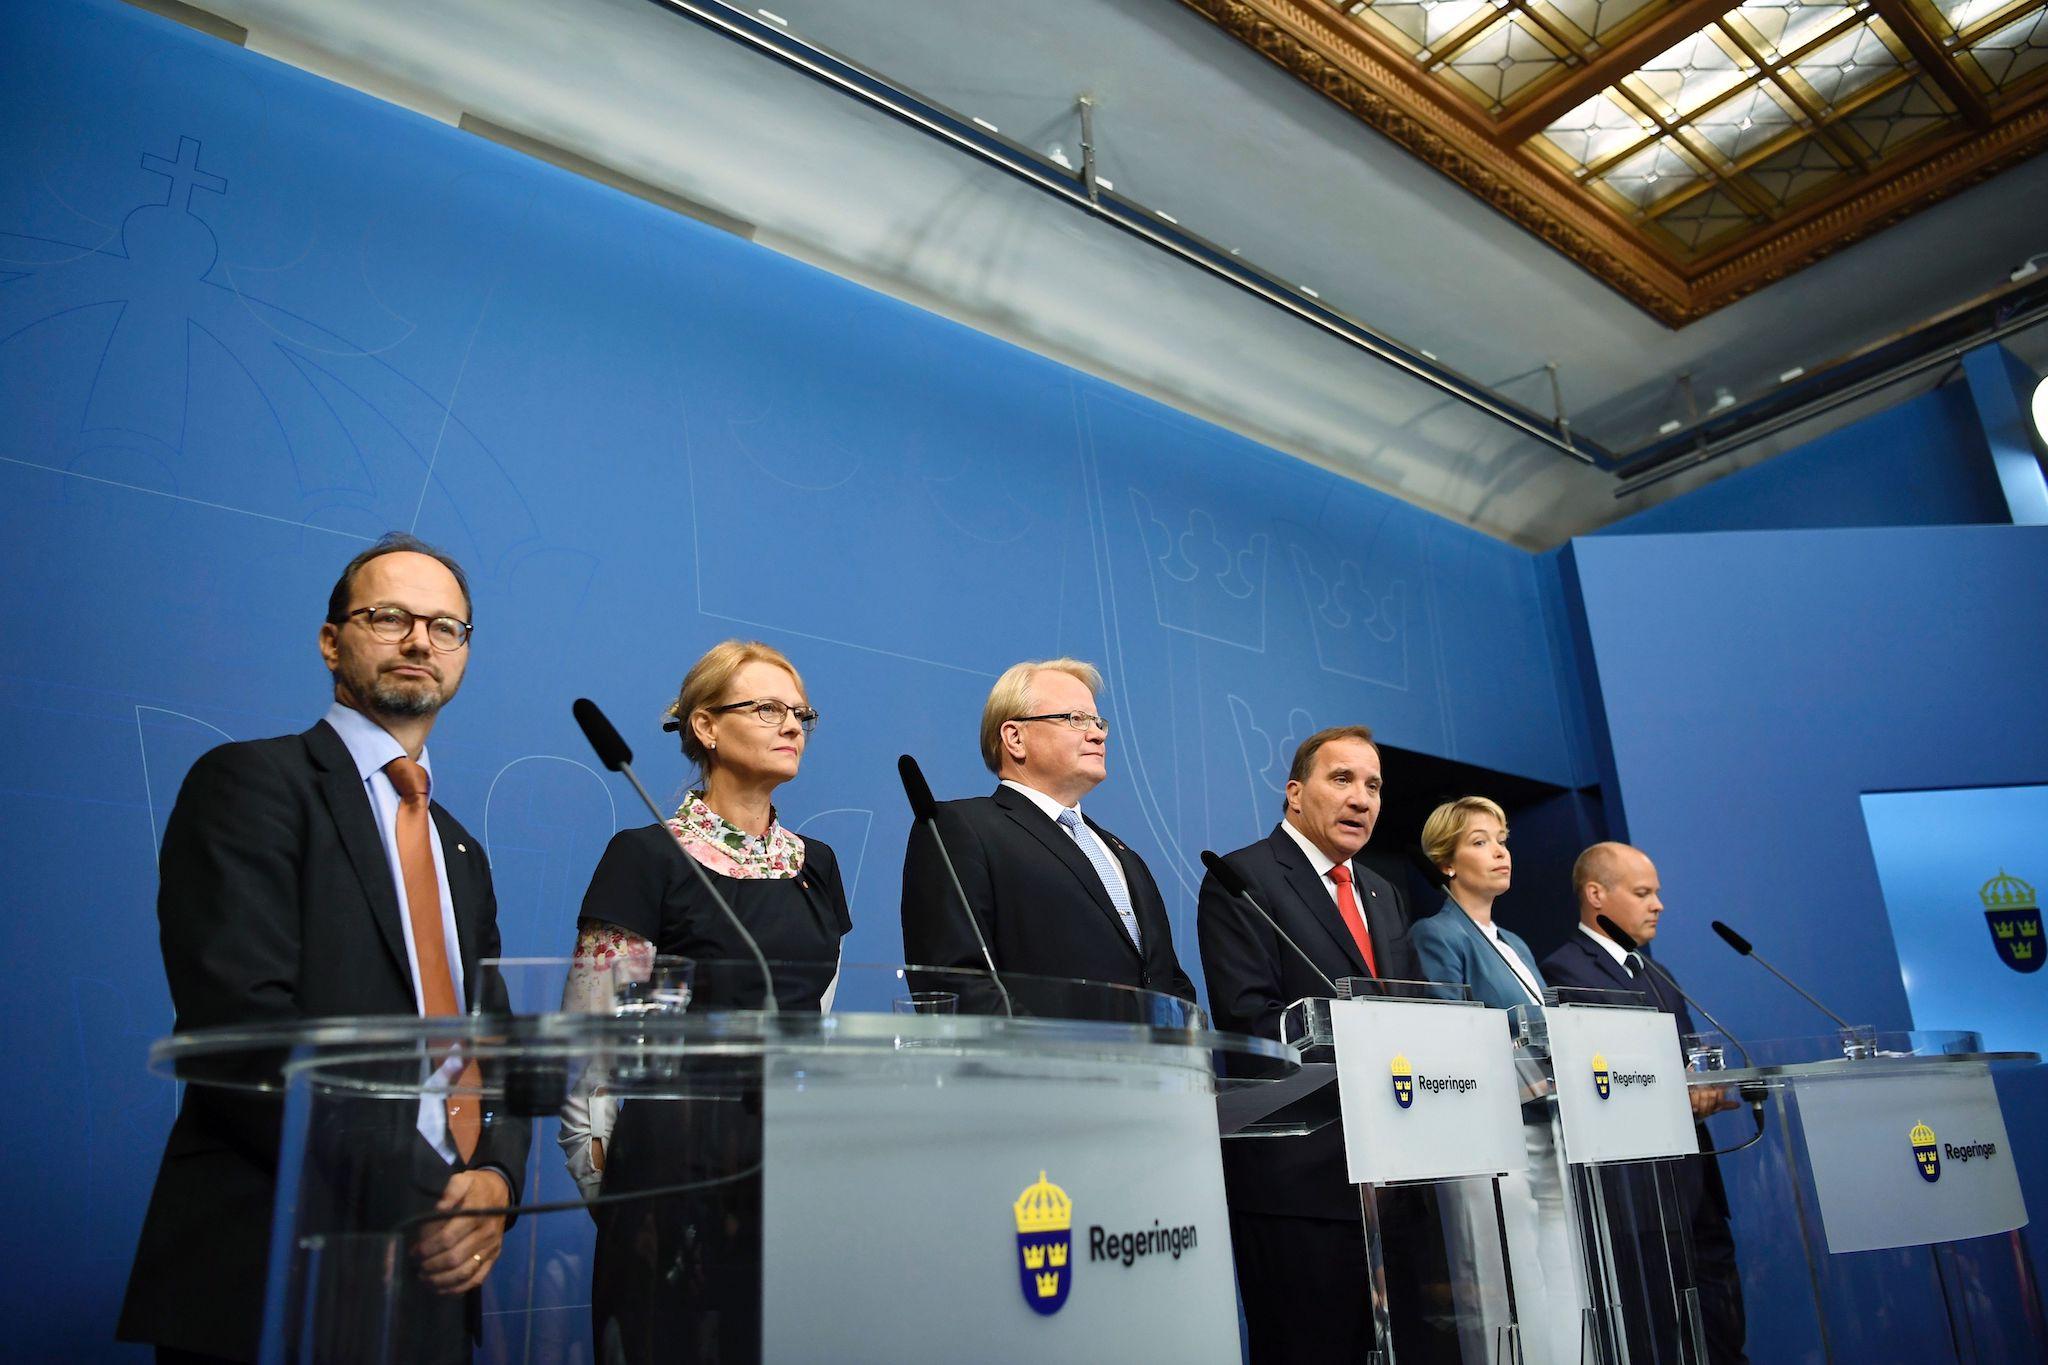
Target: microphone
x=1752, y=1092
x=1233, y=886
x=924, y=810
x=611, y=751
x=1741, y=945
x=1628, y=945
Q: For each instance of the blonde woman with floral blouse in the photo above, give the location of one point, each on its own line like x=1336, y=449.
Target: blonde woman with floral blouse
x=744, y=719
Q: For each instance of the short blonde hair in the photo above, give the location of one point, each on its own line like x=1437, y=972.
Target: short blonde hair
x=1447, y=823
x=1011, y=698
x=705, y=684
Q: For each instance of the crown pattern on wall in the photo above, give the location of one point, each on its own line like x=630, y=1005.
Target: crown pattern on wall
x=1687, y=152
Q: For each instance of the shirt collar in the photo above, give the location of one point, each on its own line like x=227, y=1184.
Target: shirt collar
x=369, y=743
x=1612, y=949
x=1039, y=799
x=1317, y=859
x=697, y=812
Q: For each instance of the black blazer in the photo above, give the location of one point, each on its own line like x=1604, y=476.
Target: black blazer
x=1584, y=964
x=1037, y=897
x=275, y=903
x=1253, y=976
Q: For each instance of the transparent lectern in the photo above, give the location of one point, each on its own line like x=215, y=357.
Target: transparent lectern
x=934, y=1167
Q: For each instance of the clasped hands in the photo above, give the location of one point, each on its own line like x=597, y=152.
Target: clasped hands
x=456, y=1254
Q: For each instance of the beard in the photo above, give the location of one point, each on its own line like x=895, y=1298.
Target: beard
x=405, y=700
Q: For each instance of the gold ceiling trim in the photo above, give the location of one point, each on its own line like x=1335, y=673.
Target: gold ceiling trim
x=1313, y=42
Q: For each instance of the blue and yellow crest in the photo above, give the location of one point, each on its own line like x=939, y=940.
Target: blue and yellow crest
x=1404, y=1081
x=1603, y=1079
x=1045, y=1245
x=1926, y=1154
x=2014, y=914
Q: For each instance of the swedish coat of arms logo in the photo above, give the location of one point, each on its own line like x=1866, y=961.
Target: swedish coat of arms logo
x=1926, y=1154
x=1045, y=1244
x=1603, y=1079
x=1404, y=1081
x=2014, y=914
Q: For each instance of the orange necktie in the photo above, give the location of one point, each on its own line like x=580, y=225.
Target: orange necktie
x=1347, y=906
x=429, y=944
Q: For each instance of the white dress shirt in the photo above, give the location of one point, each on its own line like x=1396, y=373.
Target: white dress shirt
x=1514, y=960
x=1319, y=860
x=1082, y=831
x=371, y=746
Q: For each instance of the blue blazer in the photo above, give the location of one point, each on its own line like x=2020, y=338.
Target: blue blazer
x=1454, y=950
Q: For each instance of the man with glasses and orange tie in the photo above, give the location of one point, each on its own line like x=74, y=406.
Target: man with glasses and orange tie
x=1055, y=893
x=309, y=876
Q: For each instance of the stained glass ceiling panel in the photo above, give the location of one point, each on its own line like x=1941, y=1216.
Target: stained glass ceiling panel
x=1840, y=67
x=1597, y=129
x=1688, y=74
x=1599, y=20
x=1777, y=28
x=1420, y=25
x=1501, y=62
x=1744, y=122
x=2014, y=52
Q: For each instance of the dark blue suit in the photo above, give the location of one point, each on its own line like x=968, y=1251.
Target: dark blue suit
x=1455, y=950
x=1582, y=963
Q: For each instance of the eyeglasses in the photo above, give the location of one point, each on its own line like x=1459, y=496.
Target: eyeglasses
x=393, y=624
x=1074, y=720
x=769, y=711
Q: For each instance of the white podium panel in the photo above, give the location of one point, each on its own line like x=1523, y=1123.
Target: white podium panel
x=1620, y=1083
x=1038, y=1221
x=1907, y=1160
x=1427, y=1091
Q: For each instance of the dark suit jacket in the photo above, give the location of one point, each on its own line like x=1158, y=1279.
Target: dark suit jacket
x=1037, y=897
x=1253, y=976
x=275, y=903
x=1457, y=952
x=1582, y=963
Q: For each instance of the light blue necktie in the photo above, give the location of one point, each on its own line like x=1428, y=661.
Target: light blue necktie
x=1098, y=858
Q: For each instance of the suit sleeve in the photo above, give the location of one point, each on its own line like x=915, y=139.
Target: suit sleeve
x=1175, y=977
x=934, y=933
x=228, y=893
x=506, y=1136
x=1240, y=962
x=1438, y=959
x=629, y=885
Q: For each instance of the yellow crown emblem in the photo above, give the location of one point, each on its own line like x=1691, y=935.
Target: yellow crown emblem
x=1044, y=1207
x=1599, y=1061
x=1401, y=1067
x=1048, y=1284
x=2006, y=892
x=1922, y=1135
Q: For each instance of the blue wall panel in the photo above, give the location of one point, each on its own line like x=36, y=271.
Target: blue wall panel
x=1922, y=463
x=249, y=320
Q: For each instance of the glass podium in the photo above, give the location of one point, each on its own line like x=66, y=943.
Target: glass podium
x=1893, y=1231
x=1495, y=1242
x=934, y=1167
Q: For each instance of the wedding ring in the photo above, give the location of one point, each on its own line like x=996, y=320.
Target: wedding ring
x=478, y=1258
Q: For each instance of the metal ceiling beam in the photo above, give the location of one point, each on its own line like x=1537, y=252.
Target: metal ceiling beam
x=936, y=121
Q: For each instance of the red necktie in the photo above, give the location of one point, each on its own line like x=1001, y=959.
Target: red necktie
x=429, y=944
x=1347, y=906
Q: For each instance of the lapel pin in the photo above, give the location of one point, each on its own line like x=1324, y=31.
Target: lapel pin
x=462, y=848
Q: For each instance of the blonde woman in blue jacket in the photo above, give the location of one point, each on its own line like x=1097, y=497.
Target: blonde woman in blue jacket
x=1467, y=841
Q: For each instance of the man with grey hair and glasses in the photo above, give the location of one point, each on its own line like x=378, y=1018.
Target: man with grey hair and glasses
x=1054, y=892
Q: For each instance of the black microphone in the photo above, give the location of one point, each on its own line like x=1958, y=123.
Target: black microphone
x=1233, y=886
x=1751, y=1091
x=614, y=754
x=925, y=810
x=1741, y=945
x=1629, y=945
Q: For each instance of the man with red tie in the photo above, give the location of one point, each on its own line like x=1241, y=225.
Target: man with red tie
x=311, y=876
x=1294, y=1217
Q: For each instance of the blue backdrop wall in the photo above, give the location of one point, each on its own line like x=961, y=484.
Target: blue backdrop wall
x=248, y=321
x=1753, y=686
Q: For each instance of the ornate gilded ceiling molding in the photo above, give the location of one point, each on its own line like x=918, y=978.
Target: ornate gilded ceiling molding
x=1396, y=96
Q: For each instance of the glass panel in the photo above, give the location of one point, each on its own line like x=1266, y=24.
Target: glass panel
x=1597, y=129
x=1799, y=170
x=1896, y=117
x=1744, y=122
x=1961, y=14
x=1651, y=174
x=2015, y=51
x=1780, y=27
x=1691, y=73
x=1597, y=19
x=1503, y=60
x=1419, y=24
x=1839, y=68
x=1704, y=218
